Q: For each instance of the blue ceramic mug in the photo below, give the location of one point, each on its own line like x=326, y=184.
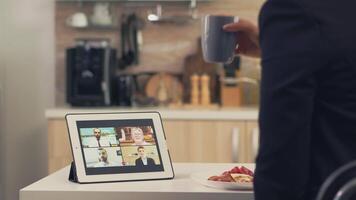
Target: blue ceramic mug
x=218, y=45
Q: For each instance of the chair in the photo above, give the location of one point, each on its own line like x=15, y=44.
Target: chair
x=340, y=185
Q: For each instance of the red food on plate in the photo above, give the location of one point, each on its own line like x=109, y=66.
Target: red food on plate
x=244, y=170
x=226, y=173
x=213, y=178
x=235, y=170
x=236, y=174
x=226, y=178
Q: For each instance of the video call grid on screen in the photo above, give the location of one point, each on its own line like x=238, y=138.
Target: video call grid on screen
x=118, y=146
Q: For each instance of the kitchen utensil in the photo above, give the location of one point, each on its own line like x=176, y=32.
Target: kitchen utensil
x=204, y=90
x=230, y=95
x=218, y=45
x=130, y=25
x=195, y=64
x=232, y=69
x=126, y=87
x=231, y=90
x=195, y=94
x=77, y=20
x=101, y=15
x=139, y=97
x=162, y=91
x=172, y=85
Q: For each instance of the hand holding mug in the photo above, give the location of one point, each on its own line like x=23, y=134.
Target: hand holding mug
x=247, y=35
x=218, y=45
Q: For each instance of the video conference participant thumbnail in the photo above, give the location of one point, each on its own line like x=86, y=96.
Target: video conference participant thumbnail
x=137, y=136
x=103, y=157
x=143, y=160
x=140, y=156
x=98, y=137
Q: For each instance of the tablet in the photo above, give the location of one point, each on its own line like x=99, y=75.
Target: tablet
x=110, y=147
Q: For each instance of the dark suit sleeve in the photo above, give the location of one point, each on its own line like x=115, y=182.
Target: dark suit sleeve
x=138, y=162
x=292, y=54
x=150, y=161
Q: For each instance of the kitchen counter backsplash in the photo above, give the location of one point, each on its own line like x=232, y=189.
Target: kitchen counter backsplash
x=243, y=113
x=165, y=46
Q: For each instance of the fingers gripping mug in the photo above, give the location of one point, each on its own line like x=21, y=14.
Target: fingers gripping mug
x=218, y=46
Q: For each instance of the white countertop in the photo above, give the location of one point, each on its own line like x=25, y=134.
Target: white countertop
x=57, y=187
x=248, y=113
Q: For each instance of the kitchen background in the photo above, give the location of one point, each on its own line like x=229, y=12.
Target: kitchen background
x=165, y=46
x=34, y=36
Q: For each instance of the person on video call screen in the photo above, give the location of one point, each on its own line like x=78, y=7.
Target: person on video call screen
x=100, y=142
x=143, y=160
x=138, y=136
x=103, y=158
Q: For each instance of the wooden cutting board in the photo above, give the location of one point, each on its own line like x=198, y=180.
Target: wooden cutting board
x=195, y=64
x=172, y=84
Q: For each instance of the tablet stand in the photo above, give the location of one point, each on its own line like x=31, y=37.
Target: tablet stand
x=73, y=173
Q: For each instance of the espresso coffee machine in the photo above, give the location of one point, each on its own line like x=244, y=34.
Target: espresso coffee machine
x=91, y=73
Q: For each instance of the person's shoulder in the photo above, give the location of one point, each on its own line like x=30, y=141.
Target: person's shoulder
x=150, y=160
x=138, y=162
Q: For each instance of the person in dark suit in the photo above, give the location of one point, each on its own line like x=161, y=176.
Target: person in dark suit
x=143, y=160
x=308, y=93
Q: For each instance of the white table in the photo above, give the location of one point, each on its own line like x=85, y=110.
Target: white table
x=57, y=187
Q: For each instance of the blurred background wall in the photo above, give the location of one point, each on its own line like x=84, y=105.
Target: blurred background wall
x=27, y=81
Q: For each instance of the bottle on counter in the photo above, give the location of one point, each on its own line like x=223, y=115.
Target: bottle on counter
x=205, y=90
x=194, y=96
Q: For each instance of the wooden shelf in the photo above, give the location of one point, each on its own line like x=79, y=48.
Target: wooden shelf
x=98, y=28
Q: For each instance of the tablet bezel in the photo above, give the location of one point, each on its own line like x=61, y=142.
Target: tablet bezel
x=77, y=150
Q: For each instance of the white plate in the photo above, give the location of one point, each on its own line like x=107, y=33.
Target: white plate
x=202, y=178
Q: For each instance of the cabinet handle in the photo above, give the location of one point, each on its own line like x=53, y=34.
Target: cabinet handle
x=235, y=144
x=255, y=141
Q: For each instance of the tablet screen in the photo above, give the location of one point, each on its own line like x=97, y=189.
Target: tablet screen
x=119, y=146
